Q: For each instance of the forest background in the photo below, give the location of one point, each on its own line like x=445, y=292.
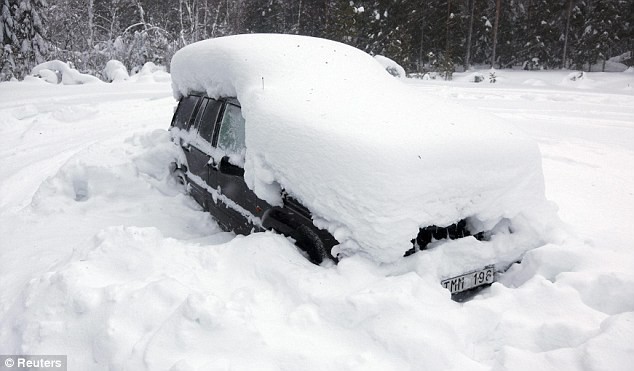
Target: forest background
x=421, y=35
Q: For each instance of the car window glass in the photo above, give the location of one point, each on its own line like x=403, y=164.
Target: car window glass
x=184, y=112
x=208, y=119
x=231, y=137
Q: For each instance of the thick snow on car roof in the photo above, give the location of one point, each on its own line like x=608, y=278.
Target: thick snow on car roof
x=372, y=158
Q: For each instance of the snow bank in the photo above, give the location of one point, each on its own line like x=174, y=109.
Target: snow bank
x=52, y=77
x=372, y=158
x=115, y=71
x=391, y=67
x=69, y=76
x=132, y=275
x=150, y=72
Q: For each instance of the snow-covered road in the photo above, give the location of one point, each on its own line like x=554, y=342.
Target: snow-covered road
x=104, y=260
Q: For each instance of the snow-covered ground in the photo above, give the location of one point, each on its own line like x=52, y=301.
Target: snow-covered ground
x=103, y=259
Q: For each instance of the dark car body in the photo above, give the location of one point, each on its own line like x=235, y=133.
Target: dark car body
x=211, y=132
x=218, y=185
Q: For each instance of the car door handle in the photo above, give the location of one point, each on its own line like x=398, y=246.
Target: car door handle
x=185, y=146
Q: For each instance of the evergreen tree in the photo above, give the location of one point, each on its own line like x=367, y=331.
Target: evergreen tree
x=343, y=24
x=585, y=45
x=434, y=34
x=608, y=26
x=482, y=44
x=509, y=36
x=543, y=35
x=23, y=44
x=9, y=41
x=385, y=30
x=427, y=28
x=313, y=16
x=265, y=16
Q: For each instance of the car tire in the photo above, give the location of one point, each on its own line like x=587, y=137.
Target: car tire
x=180, y=180
x=309, y=242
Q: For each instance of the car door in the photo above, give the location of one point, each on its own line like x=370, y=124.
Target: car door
x=240, y=203
x=198, y=150
x=186, y=120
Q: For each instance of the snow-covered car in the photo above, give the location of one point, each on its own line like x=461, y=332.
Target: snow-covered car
x=313, y=139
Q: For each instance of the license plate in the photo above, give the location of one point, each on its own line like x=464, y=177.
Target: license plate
x=468, y=281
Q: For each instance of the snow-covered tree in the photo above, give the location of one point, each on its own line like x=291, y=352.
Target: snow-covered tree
x=266, y=16
x=23, y=42
x=420, y=35
x=9, y=41
x=544, y=33
x=608, y=27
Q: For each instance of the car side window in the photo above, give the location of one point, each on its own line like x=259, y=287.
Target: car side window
x=183, y=115
x=207, y=120
x=231, y=136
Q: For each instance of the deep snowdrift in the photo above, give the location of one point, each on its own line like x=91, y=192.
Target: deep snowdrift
x=104, y=260
x=372, y=158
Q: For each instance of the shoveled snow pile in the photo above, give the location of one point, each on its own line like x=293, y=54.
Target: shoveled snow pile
x=150, y=72
x=115, y=71
x=372, y=158
x=104, y=260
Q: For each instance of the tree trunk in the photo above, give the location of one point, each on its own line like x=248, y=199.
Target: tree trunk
x=141, y=14
x=448, y=57
x=467, y=59
x=447, y=34
x=215, y=23
x=91, y=15
x=180, y=16
x=495, y=31
x=568, y=14
x=299, y=17
x=420, y=47
x=195, y=14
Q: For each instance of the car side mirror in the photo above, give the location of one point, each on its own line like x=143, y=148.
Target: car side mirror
x=228, y=168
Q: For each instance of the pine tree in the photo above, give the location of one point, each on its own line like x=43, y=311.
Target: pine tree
x=428, y=32
x=544, y=32
x=313, y=16
x=587, y=36
x=483, y=19
x=23, y=44
x=509, y=36
x=265, y=16
x=469, y=41
x=608, y=24
x=9, y=41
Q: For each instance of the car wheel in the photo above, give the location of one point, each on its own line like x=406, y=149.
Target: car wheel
x=178, y=176
x=309, y=242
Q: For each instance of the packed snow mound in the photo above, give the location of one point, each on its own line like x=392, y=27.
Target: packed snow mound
x=150, y=72
x=52, y=77
x=115, y=71
x=69, y=75
x=476, y=77
x=391, y=67
x=151, y=67
x=372, y=158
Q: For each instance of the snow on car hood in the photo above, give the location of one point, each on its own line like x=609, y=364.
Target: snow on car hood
x=372, y=158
